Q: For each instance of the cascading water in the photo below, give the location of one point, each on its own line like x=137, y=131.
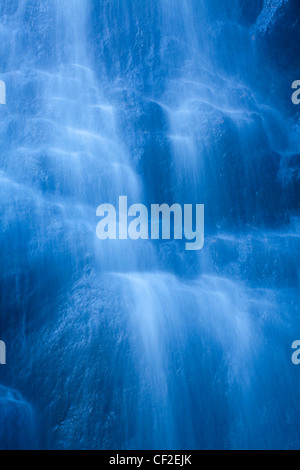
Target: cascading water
x=135, y=344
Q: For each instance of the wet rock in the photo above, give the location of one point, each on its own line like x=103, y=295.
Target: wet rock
x=278, y=30
x=16, y=421
x=250, y=11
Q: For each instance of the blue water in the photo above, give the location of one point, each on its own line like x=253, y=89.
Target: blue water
x=142, y=345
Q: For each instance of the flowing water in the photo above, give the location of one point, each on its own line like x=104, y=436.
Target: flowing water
x=136, y=344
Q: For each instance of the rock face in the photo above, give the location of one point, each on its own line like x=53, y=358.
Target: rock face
x=250, y=11
x=134, y=346
x=16, y=422
x=278, y=29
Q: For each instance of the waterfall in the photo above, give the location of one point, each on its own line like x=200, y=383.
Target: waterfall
x=138, y=344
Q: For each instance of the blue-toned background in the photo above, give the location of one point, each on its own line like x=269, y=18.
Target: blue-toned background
x=142, y=345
